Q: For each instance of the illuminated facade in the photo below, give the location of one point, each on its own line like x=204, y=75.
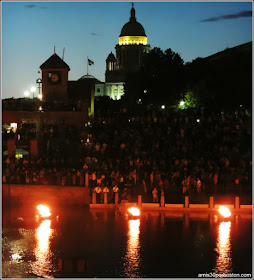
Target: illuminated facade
x=132, y=40
x=132, y=44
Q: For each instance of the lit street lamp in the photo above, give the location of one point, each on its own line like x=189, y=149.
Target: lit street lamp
x=33, y=89
x=26, y=93
x=39, y=82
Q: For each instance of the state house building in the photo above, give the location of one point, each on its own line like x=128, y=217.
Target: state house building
x=132, y=43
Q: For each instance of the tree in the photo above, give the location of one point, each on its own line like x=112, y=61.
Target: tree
x=223, y=81
x=190, y=100
x=160, y=79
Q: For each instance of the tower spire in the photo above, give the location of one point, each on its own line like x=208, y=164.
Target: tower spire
x=133, y=16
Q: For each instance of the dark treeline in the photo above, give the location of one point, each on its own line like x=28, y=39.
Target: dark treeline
x=222, y=81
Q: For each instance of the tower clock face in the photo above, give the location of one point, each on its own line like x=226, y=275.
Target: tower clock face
x=54, y=77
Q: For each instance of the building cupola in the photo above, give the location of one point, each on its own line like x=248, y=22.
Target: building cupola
x=111, y=62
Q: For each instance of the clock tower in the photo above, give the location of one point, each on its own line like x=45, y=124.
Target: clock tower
x=54, y=79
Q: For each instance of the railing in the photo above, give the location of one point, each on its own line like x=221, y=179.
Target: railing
x=97, y=201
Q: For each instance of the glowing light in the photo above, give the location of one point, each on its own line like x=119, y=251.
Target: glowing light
x=43, y=263
x=16, y=257
x=40, y=96
x=26, y=93
x=14, y=125
x=223, y=262
x=134, y=230
x=33, y=89
x=224, y=211
x=43, y=233
x=132, y=257
x=162, y=107
x=134, y=211
x=133, y=40
x=198, y=120
x=44, y=210
x=182, y=103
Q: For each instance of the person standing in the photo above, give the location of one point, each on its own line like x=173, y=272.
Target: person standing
x=116, y=191
x=198, y=185
x=184, y=185
x=98, y=192
x=93, y=177
x=162, y=192
x=155, y=195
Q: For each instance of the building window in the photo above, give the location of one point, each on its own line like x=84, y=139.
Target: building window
x=98, y=90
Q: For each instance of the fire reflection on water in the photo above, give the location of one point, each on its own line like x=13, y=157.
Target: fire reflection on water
x=224, y=261
x=43, y=265
x=132, y=257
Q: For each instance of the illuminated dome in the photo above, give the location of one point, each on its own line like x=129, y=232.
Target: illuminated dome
x=87, y=77
x=132, y=33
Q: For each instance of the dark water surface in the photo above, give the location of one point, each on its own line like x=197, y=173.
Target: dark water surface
x=159, y=244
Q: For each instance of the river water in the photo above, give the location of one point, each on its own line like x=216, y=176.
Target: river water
x=108, y=243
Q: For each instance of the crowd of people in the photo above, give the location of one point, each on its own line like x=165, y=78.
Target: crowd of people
x=186, y=152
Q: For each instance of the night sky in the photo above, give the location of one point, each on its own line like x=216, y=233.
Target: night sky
x=30, y=30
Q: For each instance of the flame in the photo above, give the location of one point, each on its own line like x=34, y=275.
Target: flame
x=134, y=211
x=224, y=211
x=44, y=210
